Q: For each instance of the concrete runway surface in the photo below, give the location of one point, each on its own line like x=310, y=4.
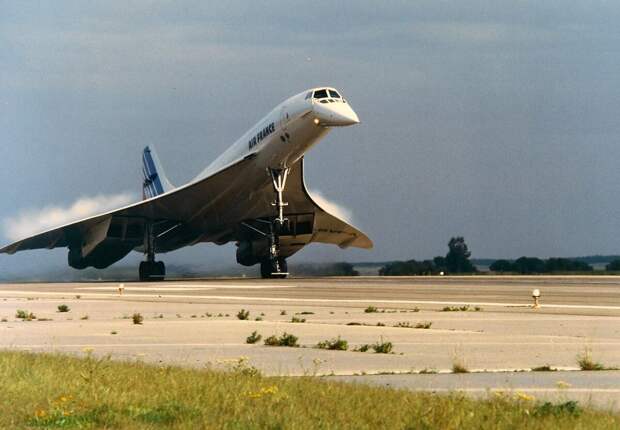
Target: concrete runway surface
x=194, y=323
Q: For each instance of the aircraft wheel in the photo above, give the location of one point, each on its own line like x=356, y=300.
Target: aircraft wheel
x=270, y=270
x=160, y=270
x=143, y=271
x=265, y=269
x=283, y=272
x=152, y=271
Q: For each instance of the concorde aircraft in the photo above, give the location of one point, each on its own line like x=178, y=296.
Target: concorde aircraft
x=253, y=194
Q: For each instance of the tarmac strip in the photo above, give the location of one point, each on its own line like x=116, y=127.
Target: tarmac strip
x=307, y=300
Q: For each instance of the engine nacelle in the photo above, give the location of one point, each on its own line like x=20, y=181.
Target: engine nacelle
x=250, y=253
x=76, y=260
x=102, y=256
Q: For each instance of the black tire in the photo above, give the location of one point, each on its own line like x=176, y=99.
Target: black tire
x=160, y=270
x=143, y=271
x=152, y=271
x=283, y=265
x=265, y=269
x=269, y=269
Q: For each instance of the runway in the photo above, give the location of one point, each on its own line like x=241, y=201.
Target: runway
x=194, y=323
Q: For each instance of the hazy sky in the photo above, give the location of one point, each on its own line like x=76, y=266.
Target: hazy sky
x=495, y=120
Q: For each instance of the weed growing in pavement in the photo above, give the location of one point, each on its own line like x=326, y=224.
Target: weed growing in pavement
x=63, y=308
x=283, y=312
x=253, y=338
x=403, y=324
x=545, y=368
x=424, y=325
x=242, y=314
x=334, y=344
x=586, y=362
x=84, y=317
x=371, y=309
x=459, y=367
x=137, y=318
x=285, y=339
x=25, y=315
x=298, y=320
x=382, y=347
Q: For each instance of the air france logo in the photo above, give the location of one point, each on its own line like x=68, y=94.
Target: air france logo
x=261, y=135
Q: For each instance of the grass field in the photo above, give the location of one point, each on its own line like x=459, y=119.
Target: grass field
x=55, y=391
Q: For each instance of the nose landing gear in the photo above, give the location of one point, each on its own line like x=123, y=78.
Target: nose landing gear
x=275, y=266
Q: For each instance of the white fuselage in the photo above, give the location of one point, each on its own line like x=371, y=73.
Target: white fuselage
x=284, y=135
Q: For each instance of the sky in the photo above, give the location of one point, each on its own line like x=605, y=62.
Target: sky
x=492, y=120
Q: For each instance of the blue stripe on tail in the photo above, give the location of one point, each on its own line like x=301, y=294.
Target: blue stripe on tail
x=152, y=185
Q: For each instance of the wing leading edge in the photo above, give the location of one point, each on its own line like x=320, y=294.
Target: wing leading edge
x=174, y=207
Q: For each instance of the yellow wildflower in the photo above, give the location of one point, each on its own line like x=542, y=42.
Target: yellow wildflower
x=525, y=397
x=40, y=413
x=562, y=384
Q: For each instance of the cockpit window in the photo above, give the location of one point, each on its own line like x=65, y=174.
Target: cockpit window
x=320, y=94
x=308, y=95
x=334, y=94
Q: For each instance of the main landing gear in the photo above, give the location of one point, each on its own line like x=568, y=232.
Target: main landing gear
x=274, y=266
x=151, y=270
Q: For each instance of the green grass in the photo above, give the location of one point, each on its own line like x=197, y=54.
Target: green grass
x=52, y=391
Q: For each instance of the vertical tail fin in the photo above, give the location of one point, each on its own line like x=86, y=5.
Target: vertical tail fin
x=155, y=181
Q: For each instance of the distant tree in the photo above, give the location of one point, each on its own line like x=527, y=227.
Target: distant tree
x=502, y=266
x=457, y=259
x=525, y=265
x=440, y=263
x=408, y=268
x=566, y=265
x=345, y=269
x=613, y=266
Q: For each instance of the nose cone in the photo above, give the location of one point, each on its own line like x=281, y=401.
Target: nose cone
x=336, y=114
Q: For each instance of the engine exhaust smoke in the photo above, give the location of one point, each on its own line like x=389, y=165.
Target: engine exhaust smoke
x=33, y=221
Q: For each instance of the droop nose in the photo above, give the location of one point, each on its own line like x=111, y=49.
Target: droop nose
x=336, y=114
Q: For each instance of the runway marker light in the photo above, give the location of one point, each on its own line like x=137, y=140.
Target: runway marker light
x=316, y=121
x=121, y=288
x=536, y=295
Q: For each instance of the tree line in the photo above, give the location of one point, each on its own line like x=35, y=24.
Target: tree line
x=533, y=265
x=457, y=260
